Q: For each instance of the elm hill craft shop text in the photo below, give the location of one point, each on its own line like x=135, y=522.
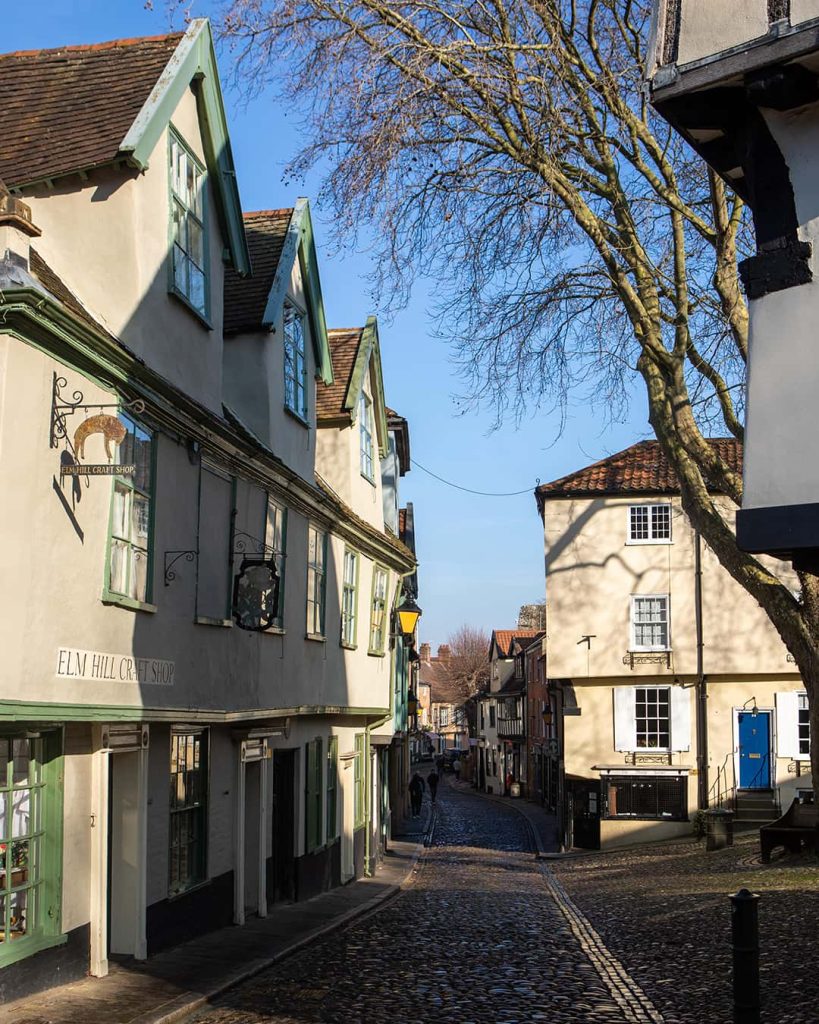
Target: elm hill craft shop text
x=118, y=668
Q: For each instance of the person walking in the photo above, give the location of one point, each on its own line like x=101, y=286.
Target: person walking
x=416, y=789
x=456, y=767
x=432, y=782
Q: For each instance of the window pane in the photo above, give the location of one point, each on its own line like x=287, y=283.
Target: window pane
x=639, y=522
x=20, y=812
x=18, y=915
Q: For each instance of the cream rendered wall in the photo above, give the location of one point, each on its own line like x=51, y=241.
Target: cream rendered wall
x=782, y=377
x=708, y=27
x=254, y=387
x=338, y=460
x=215, y=667
x=108, y=239
x=803, y=10
x=591, y=572
x=77, y=832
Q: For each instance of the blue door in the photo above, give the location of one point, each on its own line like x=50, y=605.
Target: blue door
x=754, y=750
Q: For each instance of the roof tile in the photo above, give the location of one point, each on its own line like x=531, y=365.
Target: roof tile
x=344, y=343
x=504, y=638
x=641, y=469
x=69, y=109
x=246, y=297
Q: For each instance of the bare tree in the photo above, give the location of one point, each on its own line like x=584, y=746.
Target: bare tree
x=505, y=148
x=467, y=666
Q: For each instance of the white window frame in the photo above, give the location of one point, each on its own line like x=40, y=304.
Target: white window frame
x=316, y=581
x=294, y=355
x=651, y=538
x=638, y=648
x=366, y=438
x=188, y=215
x=275, y=539
x=802, y=698
x=349, y=598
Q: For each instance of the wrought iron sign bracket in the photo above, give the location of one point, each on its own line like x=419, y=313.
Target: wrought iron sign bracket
x=171, y=558
x=246, y=544
x=61, y=409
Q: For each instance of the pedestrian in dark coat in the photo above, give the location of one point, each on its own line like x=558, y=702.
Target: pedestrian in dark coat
x=416, y=790
x=432, y=782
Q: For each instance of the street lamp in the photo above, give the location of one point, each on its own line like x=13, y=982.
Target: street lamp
x=408, y=615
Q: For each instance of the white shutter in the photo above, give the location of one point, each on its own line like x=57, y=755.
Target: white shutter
x=787, y=725
x=681, y=718
x=625, y=731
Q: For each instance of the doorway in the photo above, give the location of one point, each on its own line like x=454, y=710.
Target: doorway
x=283, y=874
x=347, y=818
x=584, y=806
x=754, y=734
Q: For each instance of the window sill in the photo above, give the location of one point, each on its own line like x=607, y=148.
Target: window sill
x=370, y=479
x=376, y=654
x=193, y=887
x=348, y=647
x=645, y=817
x=185, y=302
x=648, y=543
x=316, y=637
x=121, y=601
x=297, y=416
x=22, y=948
x=206, y=620
x=275, y=631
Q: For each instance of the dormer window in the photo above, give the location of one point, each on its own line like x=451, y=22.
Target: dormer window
x=190, y=274
x=295, y=361
x=366, y=435
x=649, y=524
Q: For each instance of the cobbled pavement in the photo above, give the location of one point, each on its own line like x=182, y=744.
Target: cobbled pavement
x=484, y=934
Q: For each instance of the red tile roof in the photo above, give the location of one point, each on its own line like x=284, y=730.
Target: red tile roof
x=344, y=343
x=246, y=297
x=504, y=639
x=69, y=109
x=641, y=469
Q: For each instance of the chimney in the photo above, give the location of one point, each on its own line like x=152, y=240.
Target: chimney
x=444, y=652
x=426, y=652
x=16, y=228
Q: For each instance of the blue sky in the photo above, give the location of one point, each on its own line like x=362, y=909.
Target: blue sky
x=480, y=557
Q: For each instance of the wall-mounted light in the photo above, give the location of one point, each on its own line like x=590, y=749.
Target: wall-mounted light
x=754, y=709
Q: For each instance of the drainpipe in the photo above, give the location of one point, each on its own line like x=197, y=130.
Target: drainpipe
x=702, y=682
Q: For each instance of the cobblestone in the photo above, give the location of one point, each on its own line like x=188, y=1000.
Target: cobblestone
x=480, y=936
x=663, y=911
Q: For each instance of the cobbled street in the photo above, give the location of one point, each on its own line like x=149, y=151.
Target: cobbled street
x=477, y=937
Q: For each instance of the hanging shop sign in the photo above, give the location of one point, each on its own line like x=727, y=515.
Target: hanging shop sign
x=107, y=424
x=73, y=663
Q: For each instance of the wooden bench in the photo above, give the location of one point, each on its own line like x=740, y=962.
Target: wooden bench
x=797, y=828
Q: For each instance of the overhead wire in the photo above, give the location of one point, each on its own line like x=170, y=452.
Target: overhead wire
x=470, y=490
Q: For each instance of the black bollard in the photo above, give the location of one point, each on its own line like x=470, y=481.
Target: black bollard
x=745, y=942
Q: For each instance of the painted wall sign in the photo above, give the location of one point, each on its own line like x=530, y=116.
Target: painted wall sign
x=97, y=469
x=115, y=668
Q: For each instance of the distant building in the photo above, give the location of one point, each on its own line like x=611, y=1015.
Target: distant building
x=669, y=688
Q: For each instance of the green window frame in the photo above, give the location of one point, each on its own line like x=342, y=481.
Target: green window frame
x=188, y=833
x=349, y=598
x=358, y=781
x=331, y=804
x=188, y=227
x=366, y=438
x=295, y=361
x=129, y=568
x=313, y=794
x=275, y=538
x=316, y=580
x=378, y=610
x=31, y=823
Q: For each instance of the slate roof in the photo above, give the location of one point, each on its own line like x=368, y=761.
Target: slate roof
x=55, y=285
x=68, y=109
x=641, y=469
x=504, y=639
x=344, y=343
x=246, y=297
